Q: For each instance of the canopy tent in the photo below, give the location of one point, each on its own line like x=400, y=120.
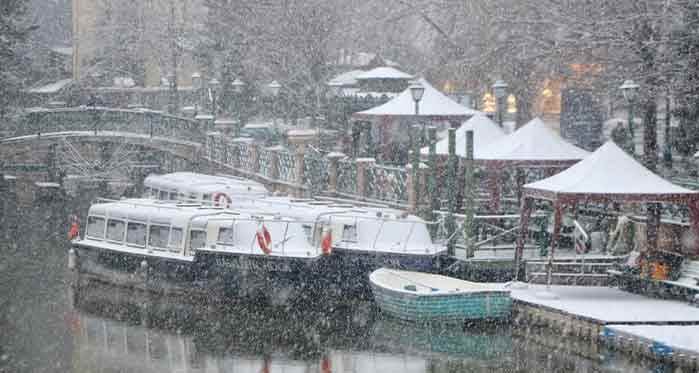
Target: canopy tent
x=433, y=105
x=485, y=131
x=532, y=145
x=607, y=175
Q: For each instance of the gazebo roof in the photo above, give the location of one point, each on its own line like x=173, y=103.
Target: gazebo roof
x=384, y=72
x=434, y=104
x=532, y=143
x=485, y=131
x=609, y=173
x=347, y=78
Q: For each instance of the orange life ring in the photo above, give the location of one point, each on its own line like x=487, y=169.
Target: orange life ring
x=264, y=240
x=326, y=245
x=217, y=199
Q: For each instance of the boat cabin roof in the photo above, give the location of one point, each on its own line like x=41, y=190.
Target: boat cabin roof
x=190, y=182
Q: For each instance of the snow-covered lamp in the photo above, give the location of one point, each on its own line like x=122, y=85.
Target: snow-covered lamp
x=196, y=80
x=238, y=85
x=416, y=90
x=499, y=89
x=274, y=88
x=630, y=90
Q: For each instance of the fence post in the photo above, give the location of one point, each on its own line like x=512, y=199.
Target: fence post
x=432, y=179
x=363, y=165
x=274, y=163
x=333, y=161
x=450, y=223
x=412, y=190
x=254, y=158
x=205, y=123
x=300, y=138
x=469, y=199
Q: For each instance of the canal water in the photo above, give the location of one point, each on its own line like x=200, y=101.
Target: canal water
x=45, y=326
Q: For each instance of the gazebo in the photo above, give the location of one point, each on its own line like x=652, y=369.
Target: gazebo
x=433, y=107
x=607, y=175
x=534, y=145
x=485, y=131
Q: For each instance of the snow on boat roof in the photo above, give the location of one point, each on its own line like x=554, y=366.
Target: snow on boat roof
x=153, y=211
x=607, y=171
x=433, y=104
x=52, y=87
x=384, y=72
x=485, y=131
x=532, y=142
x=194, y=182
x=679, y=337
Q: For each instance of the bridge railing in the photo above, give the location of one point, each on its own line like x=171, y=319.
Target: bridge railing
x=99, y=120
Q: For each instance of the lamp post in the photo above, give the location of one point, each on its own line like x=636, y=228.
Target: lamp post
x=274, y=89
x=238, y=86
x=214, y=86
x=196, y=86
x=417, y=90
x=630, y=91
x=499, y=90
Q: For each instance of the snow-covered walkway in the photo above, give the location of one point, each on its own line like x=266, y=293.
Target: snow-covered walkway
x=608, y=305
x=683, y=338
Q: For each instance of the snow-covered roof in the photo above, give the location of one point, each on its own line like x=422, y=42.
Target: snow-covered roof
x=485, y=131
x=433, y=104
x=532, y=142
x=52, y=87
x=608, y=171
x=346, y=78
x=384, y=72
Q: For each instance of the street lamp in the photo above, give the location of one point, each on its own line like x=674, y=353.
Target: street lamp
x=274, y=89
x=630, y=92
x=238, y=86
x=499, y=90
x=214, y=86
x=417, y=90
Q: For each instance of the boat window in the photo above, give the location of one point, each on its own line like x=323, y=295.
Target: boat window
x=175, y=239
x=146, y=191
x=163, y=195
x=115, y=230
x=308, y=230
x=193, y=197
x=136, y=234
x=207, y=198
x=349, y=233
x=182, y=197
x=173, y=196
x=95, y=227
x=158, y=236
x=225, y=236
x=197, y=239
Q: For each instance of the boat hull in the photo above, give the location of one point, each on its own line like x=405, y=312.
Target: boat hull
x=221, y=273
x=443, y=308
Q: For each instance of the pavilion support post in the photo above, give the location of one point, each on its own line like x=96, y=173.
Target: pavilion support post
x=415, y=170
x=652, y=225
x=694, y=216
x=412, y=188
x=557, y=219
x=469, y=197
x=525, y=213
x=450, y=223
x=494, y=174
x=333, y=162
x=520, y=179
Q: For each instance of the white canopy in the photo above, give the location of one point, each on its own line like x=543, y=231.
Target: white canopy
x=433, y=104
x=608, y=171
x=532, y=142
x=485, y=131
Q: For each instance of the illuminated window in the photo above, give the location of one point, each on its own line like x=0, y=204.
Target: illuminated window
x=488, y=103
x=511, y=104
x=448, y=88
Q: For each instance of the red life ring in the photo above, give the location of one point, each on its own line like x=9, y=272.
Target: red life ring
x=326, y=245
x=217, y=199
x=74, y=230
x=264, y=240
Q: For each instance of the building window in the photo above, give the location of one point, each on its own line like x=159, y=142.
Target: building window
x=511, y=104
x=489, y=103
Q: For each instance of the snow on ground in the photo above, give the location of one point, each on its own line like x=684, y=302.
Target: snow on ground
x=682, y=337
x=608, y=305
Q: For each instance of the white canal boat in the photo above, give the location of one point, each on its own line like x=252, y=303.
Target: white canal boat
x=191, y=243
x=202, y=188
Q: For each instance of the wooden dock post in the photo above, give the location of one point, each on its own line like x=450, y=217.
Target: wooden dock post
x=450, y=223
x=333, y=161
x=432, y=179
x=469, y=197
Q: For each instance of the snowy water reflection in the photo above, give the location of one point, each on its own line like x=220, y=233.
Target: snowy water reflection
x=47, y=327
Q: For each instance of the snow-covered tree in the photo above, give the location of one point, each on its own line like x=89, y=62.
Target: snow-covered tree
x=14, y=30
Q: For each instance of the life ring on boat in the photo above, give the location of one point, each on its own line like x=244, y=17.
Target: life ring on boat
x=217, y=199
x=326, y=244
x=264, y=240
